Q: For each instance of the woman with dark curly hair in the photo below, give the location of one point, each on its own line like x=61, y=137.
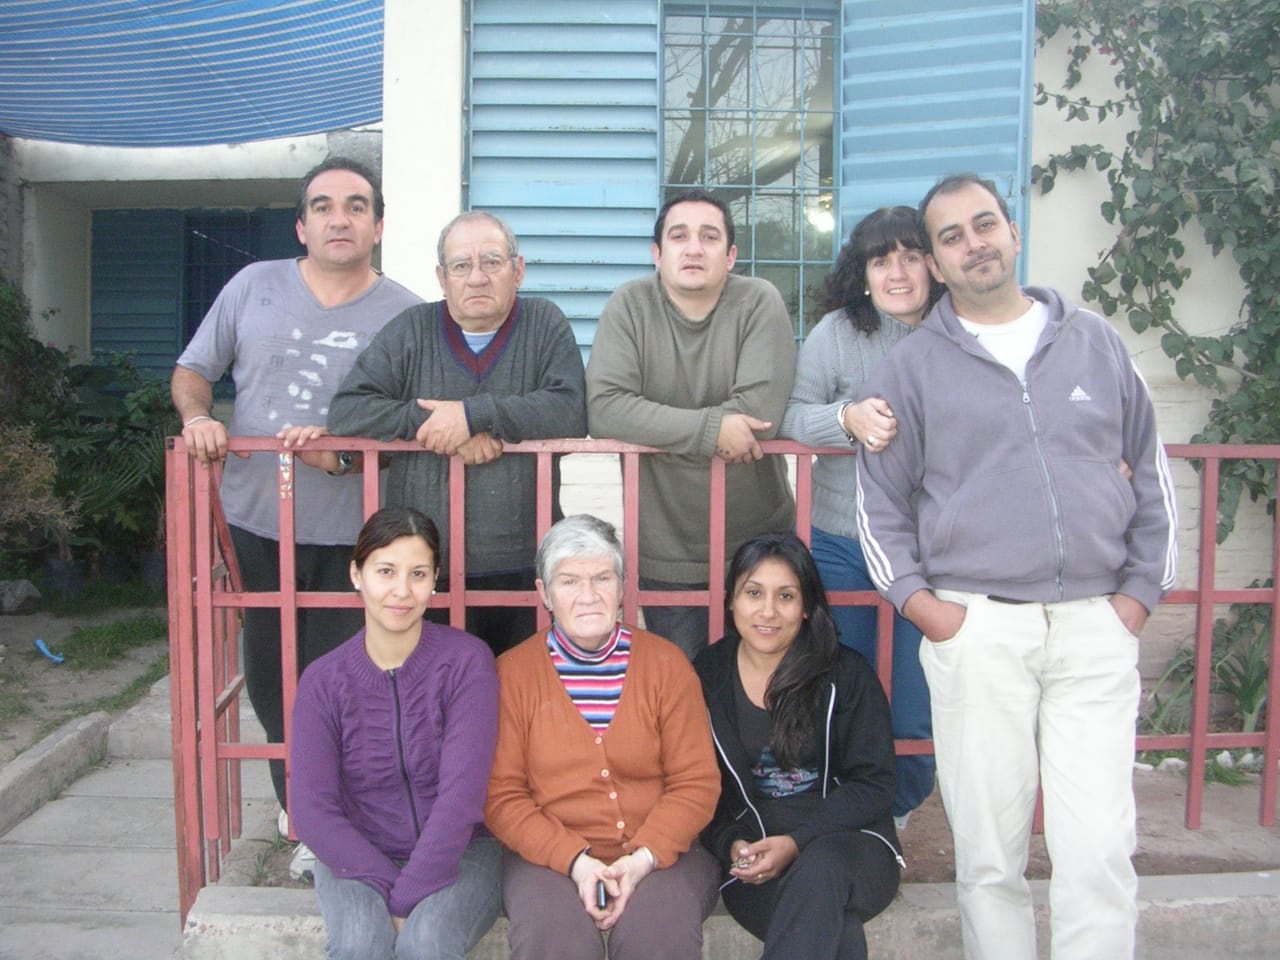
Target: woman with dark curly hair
x=878, y=292
x=803, y=827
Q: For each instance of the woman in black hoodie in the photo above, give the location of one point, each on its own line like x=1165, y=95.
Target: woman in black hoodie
x=803, y=736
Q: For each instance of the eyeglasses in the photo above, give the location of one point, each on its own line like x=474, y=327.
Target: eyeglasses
x=489, y=264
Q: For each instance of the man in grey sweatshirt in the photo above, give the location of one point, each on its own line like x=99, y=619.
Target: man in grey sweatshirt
x=1000, y=523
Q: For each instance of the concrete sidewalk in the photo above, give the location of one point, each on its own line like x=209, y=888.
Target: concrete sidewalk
x=92, y=874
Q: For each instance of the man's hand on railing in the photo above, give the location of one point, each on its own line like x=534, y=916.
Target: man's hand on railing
x=737, y=442
x=482, y=448
x=446, y=429
x=206, y=439
x=295, y=437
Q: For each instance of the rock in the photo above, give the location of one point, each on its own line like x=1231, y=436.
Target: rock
x=1142, y=767
x=1251, y=762
x=1225, y=760
x=1172, y=765
x=18, y=596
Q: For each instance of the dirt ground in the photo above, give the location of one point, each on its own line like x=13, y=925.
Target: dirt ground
x=1229, y=840
x=47, y=693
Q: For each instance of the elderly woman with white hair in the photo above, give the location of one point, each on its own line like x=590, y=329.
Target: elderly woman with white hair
x=604, y=773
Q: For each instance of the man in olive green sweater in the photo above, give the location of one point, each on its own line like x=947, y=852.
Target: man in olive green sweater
x=698, y=361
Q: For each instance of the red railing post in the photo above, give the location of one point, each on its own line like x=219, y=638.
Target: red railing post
x=1271, y=747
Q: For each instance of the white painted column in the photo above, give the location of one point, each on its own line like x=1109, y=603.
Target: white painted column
x=422, y=76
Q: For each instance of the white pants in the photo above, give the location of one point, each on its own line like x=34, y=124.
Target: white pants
x=1048, y=693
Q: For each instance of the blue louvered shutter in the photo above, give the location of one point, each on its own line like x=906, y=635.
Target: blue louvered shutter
x=930, y=89
x=563, y=141
x=136, y=286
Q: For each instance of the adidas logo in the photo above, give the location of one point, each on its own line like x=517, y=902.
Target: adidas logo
x=1078, y=395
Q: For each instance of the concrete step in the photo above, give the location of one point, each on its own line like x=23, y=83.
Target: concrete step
x=1190, y=917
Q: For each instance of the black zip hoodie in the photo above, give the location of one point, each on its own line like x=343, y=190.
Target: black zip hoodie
x=853, y=744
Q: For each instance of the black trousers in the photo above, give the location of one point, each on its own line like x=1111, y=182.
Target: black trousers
x=319, y=631
x=816, y=909
x=500, y=627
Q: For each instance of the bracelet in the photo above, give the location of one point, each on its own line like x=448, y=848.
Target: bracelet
x=653, y=861
x=203, y=416
x=853, y=441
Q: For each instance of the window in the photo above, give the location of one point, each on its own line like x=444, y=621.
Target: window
x=749, y=112
x=217, y=244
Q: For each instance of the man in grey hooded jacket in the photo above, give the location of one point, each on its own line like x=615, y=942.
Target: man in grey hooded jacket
x=1002, y=522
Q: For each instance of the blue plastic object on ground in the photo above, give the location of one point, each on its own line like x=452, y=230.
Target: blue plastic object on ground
x=43, y=648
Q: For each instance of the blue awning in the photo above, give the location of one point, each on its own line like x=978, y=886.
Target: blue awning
x=187, y=72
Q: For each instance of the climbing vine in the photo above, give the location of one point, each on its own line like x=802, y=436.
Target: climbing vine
x=1197, y=82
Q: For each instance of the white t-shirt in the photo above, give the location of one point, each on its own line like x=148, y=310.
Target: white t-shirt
x=1012, y=343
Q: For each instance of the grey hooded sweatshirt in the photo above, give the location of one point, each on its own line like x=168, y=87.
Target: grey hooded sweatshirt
x=1000, y=487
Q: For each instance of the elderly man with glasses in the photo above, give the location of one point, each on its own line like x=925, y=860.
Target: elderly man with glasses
x=461, y=376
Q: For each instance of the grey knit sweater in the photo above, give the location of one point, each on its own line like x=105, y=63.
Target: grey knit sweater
x=833, y=366
x=526, y=385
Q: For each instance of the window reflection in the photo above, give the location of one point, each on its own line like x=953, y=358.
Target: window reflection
x=749, y=93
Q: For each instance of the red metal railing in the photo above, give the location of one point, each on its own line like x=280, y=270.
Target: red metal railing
x=204, y=597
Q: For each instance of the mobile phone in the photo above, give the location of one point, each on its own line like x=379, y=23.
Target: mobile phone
x=602, y=895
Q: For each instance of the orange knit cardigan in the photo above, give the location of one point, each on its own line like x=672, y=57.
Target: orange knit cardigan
x=559, y=787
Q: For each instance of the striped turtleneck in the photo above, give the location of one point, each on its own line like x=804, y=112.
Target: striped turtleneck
x=592, y=678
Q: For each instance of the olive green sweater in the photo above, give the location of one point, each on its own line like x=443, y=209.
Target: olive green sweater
x=659, y=379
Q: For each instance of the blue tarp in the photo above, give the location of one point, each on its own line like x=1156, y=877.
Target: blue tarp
x=187, y=72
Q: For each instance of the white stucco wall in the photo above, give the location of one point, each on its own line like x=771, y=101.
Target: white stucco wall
x=422, y=136
x=67, y=163
x=55, y=259
x=1068, y=235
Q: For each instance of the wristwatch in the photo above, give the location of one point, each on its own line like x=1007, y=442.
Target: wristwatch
x=346, y=460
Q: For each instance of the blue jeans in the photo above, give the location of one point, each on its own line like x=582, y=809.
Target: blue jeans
x=444, y=926
x=843, y=567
